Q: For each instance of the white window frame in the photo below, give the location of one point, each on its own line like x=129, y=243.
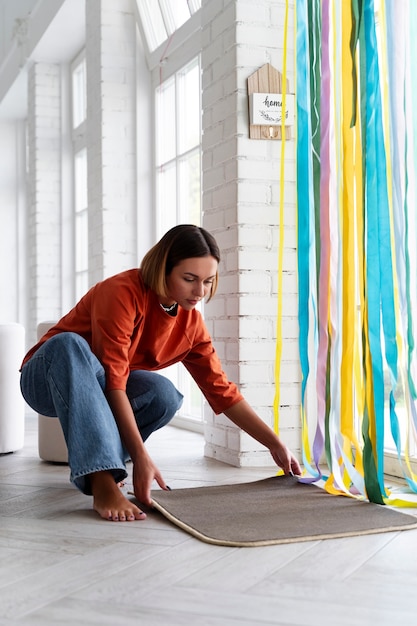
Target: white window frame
x=186, y=417
x=182, y=34
x=164, y=62
x=79, y=147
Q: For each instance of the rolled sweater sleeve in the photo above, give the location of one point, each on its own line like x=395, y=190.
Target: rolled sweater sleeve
x=205, y=367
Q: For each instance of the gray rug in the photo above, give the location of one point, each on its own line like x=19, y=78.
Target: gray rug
x=272, y=511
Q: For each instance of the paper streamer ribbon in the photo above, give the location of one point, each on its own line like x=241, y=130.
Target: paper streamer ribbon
x=357, y=241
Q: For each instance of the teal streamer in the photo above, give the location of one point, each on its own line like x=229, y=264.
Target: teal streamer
x=413, y=88
x=373, y=236
x=396, y=48
x=304, y=178
x=376, y=207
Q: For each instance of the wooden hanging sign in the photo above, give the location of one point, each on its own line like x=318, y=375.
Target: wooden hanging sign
x=265, y=104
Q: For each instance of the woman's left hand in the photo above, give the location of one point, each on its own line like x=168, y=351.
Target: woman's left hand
x=245, y=417
x=284, y=458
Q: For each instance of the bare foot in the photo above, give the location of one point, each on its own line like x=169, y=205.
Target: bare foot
x=109, y=501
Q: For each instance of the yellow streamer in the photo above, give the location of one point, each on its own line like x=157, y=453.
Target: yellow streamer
x=278, y=354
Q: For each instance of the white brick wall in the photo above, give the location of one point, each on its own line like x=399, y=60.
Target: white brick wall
x=44, y=195
x=111, y=136
x=241, y=191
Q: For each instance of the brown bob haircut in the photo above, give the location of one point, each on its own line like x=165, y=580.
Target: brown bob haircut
x=184, y=241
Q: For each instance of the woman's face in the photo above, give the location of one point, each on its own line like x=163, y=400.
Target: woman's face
x=190, y=281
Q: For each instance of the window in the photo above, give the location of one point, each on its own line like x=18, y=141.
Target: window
x=178, y=182
x=178, y=149
x=79, y=92
x=161, y=18
x=80, y=213
x=81, y=223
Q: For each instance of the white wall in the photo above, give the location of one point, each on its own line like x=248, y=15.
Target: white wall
x=12, y=12
x=240, y=194
x=12, y=218
x=111, y=137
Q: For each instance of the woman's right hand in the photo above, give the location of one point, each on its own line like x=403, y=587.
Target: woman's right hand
x=144, y=473
x=144, y=469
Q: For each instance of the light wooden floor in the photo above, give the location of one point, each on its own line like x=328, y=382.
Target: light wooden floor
x=61, y=564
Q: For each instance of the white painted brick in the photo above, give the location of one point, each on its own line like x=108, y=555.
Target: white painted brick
x=223, y=109
x=224, y=152
x=230, y=127
x=208, y=416
x=212, y=52
x=222, y=454
x=225, y=195
x=232, y=306
x=257, y=459
x=230, y=169
x=216, y=436
x=210, y=10
x=290, y=231
x=251, y=34
x=252, y=12
x=232, y=352
x=215, y=177
x=257, y=350
x=248, y=444
x=224, y=422
x=232, y=372
x=212, y=137
x=253, y=373
x=224, y=66
x=290, y=370
x=226, y=328
x=252, y=305
x=228, y=285
x=256, y=327
x=224, y=21
x=207, y=118
x=258, y=395
x=231, y=261
x=220, y=347
x=289, y=327
x=259, y=237
x=289, y=417
x=255, y=282
x=258, y=213
x=234, y=440
x=290, y=394
x=292, y=438
x=110, y=55
x=215, y=308
x=44, y=223
x=257, y=169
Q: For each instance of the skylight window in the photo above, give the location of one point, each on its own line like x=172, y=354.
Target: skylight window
x=161, y=18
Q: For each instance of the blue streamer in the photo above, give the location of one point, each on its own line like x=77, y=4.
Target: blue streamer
x=304, y=193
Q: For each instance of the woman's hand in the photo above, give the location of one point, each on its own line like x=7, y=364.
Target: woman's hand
x=284, y=458
x=144, y=473
x=245, y=417
x=144, y=469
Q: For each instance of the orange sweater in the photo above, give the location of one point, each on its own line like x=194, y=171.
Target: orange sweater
x=127, y=329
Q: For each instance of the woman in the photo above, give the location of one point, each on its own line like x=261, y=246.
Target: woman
x=95, y=370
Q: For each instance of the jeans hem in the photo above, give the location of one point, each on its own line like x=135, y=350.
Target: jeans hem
x=83, y=483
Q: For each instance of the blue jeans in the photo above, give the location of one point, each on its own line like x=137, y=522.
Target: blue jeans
x=65, y=379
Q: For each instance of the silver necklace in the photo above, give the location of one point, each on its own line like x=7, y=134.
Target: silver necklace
x=167, y=309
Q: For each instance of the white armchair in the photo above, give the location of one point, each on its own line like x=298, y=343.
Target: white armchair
x=12, y=405
x=51, y=442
